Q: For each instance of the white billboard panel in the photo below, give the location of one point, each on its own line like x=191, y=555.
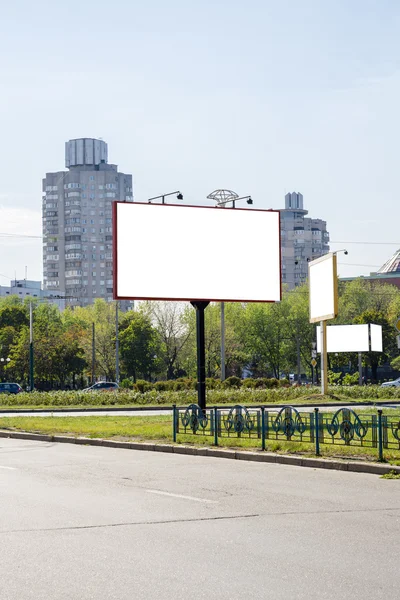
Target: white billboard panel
x=376, y=338
x=345, y=338
x=322, y=279
x=170, y=252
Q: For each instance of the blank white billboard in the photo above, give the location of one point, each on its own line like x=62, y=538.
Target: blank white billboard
x=170, y=252
x=322, y=279
x=376, y=338
x=345, y=338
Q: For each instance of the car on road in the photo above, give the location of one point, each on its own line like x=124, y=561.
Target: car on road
x=10, y=388
x=102, y=386
x=394, y=383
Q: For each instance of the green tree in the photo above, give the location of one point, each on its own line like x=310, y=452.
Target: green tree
x=102, y=315
x=139, y=345
x=173, y=331
x=374, y=359
x=57, y=351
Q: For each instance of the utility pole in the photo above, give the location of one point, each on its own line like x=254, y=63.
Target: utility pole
x=93, y=352
x=31, y=380
x=116, y=344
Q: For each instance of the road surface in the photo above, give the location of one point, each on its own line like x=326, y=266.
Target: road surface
x=134, y=412
x=85, y=523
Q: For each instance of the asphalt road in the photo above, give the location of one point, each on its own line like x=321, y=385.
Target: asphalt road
x=81, y=522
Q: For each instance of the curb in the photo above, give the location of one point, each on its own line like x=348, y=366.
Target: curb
x=265, y=457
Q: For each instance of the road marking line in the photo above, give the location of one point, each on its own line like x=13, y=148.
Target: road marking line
x=11, y=468
x=181, y=496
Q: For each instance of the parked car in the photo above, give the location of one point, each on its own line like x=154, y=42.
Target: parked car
x=10, y=388
x=102, y=386
x=394, y=383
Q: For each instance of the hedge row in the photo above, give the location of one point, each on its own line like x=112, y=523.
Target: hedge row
x=186, y=397
x=212, y=384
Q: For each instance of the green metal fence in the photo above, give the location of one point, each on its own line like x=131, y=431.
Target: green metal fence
x=343, y=428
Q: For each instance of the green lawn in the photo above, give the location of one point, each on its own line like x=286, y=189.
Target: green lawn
x=159, y=428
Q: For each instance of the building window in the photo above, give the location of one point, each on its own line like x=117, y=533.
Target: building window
x=91, y=178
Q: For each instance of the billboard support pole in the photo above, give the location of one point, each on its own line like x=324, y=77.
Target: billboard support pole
x=201, y=352
x=222, y=341
x=324, y=360
x=360, y=375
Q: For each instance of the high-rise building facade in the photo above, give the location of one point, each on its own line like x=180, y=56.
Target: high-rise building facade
x=77, y=222
x=302, y=239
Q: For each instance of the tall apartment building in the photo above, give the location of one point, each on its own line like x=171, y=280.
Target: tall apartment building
x=302, y=239
x=77, y=222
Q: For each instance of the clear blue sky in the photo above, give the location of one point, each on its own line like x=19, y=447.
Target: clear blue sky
x=261, y=96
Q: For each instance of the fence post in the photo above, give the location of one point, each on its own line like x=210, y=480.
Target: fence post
x=215, y=426
x=262, y=428
x=316, y=425
x=380, y=436
x=174, y=422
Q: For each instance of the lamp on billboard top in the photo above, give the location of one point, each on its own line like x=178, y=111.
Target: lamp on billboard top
x=322, y=280
x=170, y=252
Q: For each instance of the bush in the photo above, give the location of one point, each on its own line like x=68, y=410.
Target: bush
x=143, y=386
x=272, y=383
x=188, y=383
x=249, y=383
x=350, y=379
x=334, y=378
x=211, y=383
x=232, y=382
x=127, y=384
x=179, y=386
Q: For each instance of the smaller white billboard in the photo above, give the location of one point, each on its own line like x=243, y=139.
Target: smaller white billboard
x=345, y=338
x=376, y=338
x=322, y=279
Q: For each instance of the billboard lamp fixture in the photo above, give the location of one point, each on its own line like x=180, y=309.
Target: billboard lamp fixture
x=179, y=196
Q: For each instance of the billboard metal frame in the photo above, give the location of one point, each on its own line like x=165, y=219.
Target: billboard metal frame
x=186, y=299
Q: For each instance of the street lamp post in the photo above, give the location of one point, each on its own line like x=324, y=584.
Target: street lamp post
x=222, y=198
x=31, y=356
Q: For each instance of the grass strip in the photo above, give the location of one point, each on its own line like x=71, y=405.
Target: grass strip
x=159, y=429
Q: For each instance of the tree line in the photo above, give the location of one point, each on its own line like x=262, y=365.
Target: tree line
x=157, y=340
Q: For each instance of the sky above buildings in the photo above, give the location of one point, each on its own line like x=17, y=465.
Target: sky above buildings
x=262, y=97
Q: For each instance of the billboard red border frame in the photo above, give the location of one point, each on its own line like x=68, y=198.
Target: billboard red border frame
x=115, y=255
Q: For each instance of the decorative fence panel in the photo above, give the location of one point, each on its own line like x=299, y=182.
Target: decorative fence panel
x=342, y=428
